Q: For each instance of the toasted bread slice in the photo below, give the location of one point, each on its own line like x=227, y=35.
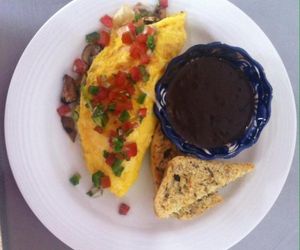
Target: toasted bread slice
x=198, y=207
x=162, y=151
x=188, y=179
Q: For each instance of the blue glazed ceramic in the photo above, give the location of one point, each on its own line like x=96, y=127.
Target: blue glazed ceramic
x=238, y=58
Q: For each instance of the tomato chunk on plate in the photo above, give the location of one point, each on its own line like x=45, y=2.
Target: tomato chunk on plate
x=107, y=21
x=123, y=209
x=104, y=38
x=63, y=110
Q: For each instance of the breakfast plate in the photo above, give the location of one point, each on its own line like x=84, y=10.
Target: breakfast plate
x=42, y=157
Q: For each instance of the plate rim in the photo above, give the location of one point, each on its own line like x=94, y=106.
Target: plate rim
x=8, y=142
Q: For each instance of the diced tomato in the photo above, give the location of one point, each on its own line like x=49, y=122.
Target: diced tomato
x=63, y=110
x=134, y=52
x=112, y=95
x=130, y=149
x=123, y=209
x=103, y=93
x=127, y=38
x=107, y=21
x=127, y=126
x=135, y=74
x=110, y=160
x=98, y=129
x=141, y=38
x=104, y=38
x=150, y=31
x=164, y=3
x=79, y=66
x=112, y=134
x=121, y=79
x=130, y=89
x=122, y=106
x=105, y=182
x=145, y=59
x=142, y=112
x=137, y=49
x=131, y=28
x=128, y=105
x=143, y=48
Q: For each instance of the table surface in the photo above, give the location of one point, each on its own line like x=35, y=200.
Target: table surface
x=19, y=21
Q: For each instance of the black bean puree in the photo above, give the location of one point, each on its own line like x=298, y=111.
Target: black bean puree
x=209, y=103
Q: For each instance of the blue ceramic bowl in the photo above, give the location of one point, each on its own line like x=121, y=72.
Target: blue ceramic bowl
x=238, y=58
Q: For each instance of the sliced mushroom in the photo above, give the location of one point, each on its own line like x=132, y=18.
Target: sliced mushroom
x=69, y=126
x=142, y=9
x=69, y=92
x=160, y=12
x=150, y=19
x=81, y=80
x=89, y=52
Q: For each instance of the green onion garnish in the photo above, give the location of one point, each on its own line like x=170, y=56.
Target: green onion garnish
x=151, y=43
x=96, y=178
x=105, y=154
x=141, y=98
x=137, y=17
x=92, y=37
x=75, y=115
x=99, y=116
x=118, y=144
x=144, y=73
x=93, y=90
x=95, y=191
x=124, y=116
x=75, y=179
x=86, y=97
x=111, y=107
x=117, y=168
x=140, y=29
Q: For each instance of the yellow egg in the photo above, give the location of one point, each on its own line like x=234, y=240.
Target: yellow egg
x=170, y=38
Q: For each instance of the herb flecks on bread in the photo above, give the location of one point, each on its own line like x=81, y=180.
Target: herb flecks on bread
x=162, y=151
x=188, y=179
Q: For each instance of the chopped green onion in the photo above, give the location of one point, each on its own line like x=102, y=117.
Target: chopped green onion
x=141, y=98
x=95, y=191
x=105, y=154
x=118, y=144
x=144, y=73
x=96, y=178
x=151, y=43
x=75, y=179
x=124, y=116
x=117, y=168
x=137, y=17
x=86, y=97
x=75, y=115
x=99, y=116
x=140, y=29
x=93, y=90
x=92, y=37
x=111, y=107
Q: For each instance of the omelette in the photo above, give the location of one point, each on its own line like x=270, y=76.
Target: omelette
x=117, y=57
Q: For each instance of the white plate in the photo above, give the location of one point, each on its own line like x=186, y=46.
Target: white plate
x=43, y=158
